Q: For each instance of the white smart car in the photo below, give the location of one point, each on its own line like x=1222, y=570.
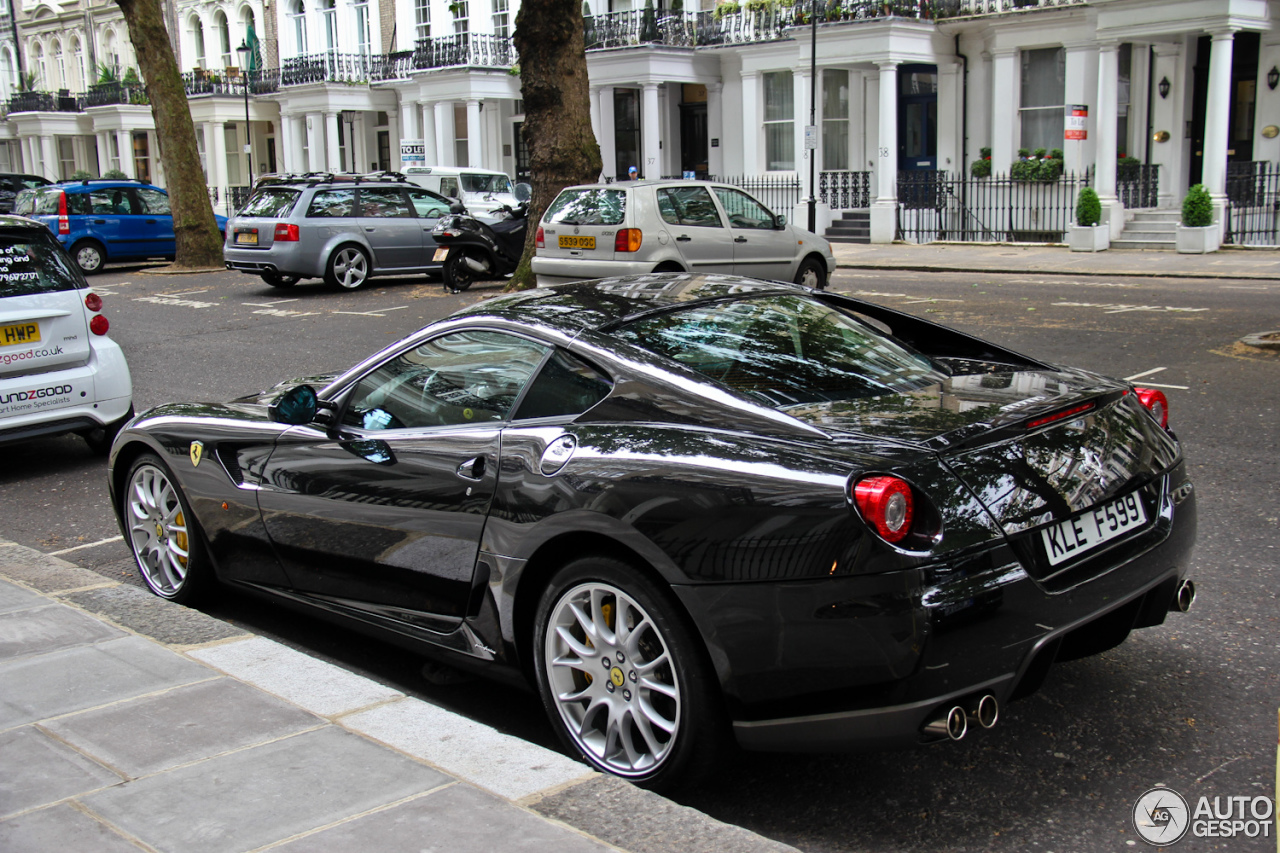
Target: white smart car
x=59, y=372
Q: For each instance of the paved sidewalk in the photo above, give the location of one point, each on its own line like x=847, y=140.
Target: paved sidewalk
x=129, y=723
x=1249, y=264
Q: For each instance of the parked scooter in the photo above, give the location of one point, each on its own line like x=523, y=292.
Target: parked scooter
x=476, y=250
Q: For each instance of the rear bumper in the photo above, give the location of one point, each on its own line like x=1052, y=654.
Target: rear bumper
x=563, y=270
x=286, y=259
x=86, y=396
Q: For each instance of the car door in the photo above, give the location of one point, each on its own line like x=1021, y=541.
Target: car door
x=382, y=512
x=760, y=248
x=109, y=219
x=697, y=228
x=154, y=222
x=389, y=224
x=429, y=207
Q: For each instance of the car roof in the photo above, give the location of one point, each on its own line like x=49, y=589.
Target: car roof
x=104, y=183
x=664, y=182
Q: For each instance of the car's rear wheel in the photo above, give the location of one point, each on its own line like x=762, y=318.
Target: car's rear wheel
x=622, y=678
x=812, y=273
x=275, y=279
x=100, y=439
x=348, y=268
x=89, y=256
x=166, y=541
x=457, y=275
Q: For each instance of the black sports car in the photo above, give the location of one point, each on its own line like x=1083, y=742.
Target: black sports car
x=686, y=506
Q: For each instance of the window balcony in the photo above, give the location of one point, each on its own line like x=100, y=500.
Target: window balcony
x=105, y=94
x=45, y=102
x=201, y=82
x=464, y=50
x=332, y=67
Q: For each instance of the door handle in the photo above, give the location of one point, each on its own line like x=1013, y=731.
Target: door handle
x=99, y=222
x=472, y=469
x=370, y=230
x=739, y=239
x=683, y=238
x=151, y=221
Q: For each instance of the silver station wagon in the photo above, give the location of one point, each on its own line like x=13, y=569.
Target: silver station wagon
x=344, y=229
x=637, y=227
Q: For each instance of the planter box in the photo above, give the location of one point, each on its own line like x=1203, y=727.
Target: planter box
x=1198, y=240
x=1089, y=238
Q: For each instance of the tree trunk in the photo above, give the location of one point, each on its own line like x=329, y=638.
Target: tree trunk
x=194, y=227
x=557, y=110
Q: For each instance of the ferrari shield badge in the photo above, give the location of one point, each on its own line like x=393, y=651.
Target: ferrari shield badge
x=197, y=451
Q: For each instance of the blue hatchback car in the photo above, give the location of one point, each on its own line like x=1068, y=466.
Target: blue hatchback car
x=101, y=222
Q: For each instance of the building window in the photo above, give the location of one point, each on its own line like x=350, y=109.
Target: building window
x=1044, y=74
x=60, y=63
x=230, y=142
x=224, y=40
x=461, y=14
x=77, y=68
x=299, y=15
x=330, y=11
x=197, y=40
x=141, y=158
x=66, y=157
x=113, y=150
x=42, y=72
x=461, y=133
x=364, y=39
x=501, y=25
x=422, y=19
x=835, y=119
x=779, y=122
x=1123, y=80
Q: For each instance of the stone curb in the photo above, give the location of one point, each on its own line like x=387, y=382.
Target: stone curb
x=1263, y=340
x=556, y=787
x=886, y=266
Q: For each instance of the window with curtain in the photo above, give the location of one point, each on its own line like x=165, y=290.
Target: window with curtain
x=779, y=121
x=422, y=19
x=299, y=15
x=1044, y=75
x=835, y=119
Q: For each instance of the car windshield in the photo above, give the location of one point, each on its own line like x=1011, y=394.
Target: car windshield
x=271, y=201
x=30, y=264
x=588, y=206
x=474, y=183
x=785, y=350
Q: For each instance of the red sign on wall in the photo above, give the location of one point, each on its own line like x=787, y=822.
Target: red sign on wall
x=1077, y=116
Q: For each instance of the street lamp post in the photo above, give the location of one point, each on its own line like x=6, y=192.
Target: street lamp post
x=245, y=52
x=813, y=111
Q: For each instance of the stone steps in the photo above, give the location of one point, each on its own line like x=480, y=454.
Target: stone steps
x=1150, y=229
x=853, y=226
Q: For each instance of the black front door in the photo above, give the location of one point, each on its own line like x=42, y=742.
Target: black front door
x=693, y=140
x=1244, y=96
x=917, y=117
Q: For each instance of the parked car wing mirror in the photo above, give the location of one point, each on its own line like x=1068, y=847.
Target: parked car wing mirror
x=524, y=191
x=779, y=222
x=295, y=407
x=457, y=207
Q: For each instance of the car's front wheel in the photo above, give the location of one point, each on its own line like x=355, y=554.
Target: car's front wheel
x=89, y=256
x=275, y=279
x=164, y=536
x=622, y=677
x=348, y=268
x=812, y=273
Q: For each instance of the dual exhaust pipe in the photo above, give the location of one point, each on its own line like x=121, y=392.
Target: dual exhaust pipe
x=954, y=723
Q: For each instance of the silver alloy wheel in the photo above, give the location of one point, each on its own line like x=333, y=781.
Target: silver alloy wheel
x=613, y=678
x=88, y=258
x=350, y=268
x=809, y=276
x=158, y=530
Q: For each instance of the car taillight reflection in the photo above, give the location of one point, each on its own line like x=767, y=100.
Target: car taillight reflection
x=286, y=233
x=1155, y=400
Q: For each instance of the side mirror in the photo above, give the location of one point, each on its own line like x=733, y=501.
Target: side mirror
x=295, y=407
x=457, y=207
x=524, y=191
x=779, y=222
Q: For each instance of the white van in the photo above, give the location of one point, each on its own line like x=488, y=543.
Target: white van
x=481, y=190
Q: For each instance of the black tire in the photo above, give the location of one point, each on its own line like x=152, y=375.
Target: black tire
x=89, y=256
x=163, y=534
x=275, y=279
x=813, y=273
x=99, y=440
x=457, y=275
x=348, y=268
x=664, y=654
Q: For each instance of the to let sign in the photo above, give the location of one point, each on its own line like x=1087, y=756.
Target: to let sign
x=413, y=151
x=1077, y=116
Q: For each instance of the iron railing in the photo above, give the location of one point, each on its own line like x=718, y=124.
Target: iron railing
x=1253, y=204
x=779, y=193
x=465, y=50
x=939, y=206
x=219, y=83
x=1138, y=185
x=845, y=190
x=330, y=67
x=45, y=102
x=105, y=94
x=967, y=8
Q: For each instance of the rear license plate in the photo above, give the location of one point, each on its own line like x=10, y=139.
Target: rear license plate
x=247, y=237
x=19, y=333
x=567, y=242
x=1088, y=530
x=441, y=254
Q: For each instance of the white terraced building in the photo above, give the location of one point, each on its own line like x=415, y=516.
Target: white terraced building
x=909, y=93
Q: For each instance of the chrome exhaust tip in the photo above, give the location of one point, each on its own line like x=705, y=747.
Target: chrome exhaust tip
x=985, y=712
x=1186, y=596
x=953, y=724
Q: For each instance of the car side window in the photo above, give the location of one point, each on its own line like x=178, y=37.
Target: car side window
x=566, y=385
x=153, y=202
x=77, y=204
x=110, y=201
x=690, y=205
x=332, y=204
x=427, y=204
x=744, y=211
x=456, y=379
x=449, y=187
x=384, y=204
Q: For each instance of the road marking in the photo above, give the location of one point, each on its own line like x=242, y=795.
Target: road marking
x=1121, y=308
x=280, y=312
x=267, y=304
x=877, y=293
x=1144, y=373
x=930, y=299
x=180, y=303
x=87, y=545
x=1264, y=288
x=373, y=313
x=1158, y=385
x=186, y=292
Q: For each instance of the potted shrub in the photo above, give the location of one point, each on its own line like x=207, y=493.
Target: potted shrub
x=1025, y=167
x=1197, y=232
x=1088, y=235
x=981, y=168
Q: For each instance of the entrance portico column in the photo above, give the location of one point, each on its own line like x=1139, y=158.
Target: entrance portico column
x=430, y=151
x=408, y=129
x=608, y=133
x=475, y=135
x=1105, y=166
x=594, y=100
x=333, y=151
x=650, y=123
x=49, y=153
x=445, y=134
x=315, y=142
x=884, y=210
x=1217, y=116
x=800, y=83
x=286, y=143
x=217, y=156
x=124, y=140
x=715, y=128
x=751, y=125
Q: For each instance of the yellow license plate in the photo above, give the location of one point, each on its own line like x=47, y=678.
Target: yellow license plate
x=247, y=237
x=567, y=242
x=19, y=333
x=441, y=254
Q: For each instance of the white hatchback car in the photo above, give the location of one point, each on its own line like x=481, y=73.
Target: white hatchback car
x=59, y=372
x=637, y=227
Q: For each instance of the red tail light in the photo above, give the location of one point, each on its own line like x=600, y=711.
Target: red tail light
x=99, y=325
x=540, y=241
x=93, y=302
x=627, y=240
x=286, y=233
x=64, y=224
x=886, y=504
x=1156, y=401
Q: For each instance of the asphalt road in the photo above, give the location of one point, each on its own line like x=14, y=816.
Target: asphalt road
x=1191, y=704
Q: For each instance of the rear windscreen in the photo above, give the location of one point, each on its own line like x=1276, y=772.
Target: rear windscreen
x=31, y=264
x=46, y=201
x=589, y=206
x=271, y=202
